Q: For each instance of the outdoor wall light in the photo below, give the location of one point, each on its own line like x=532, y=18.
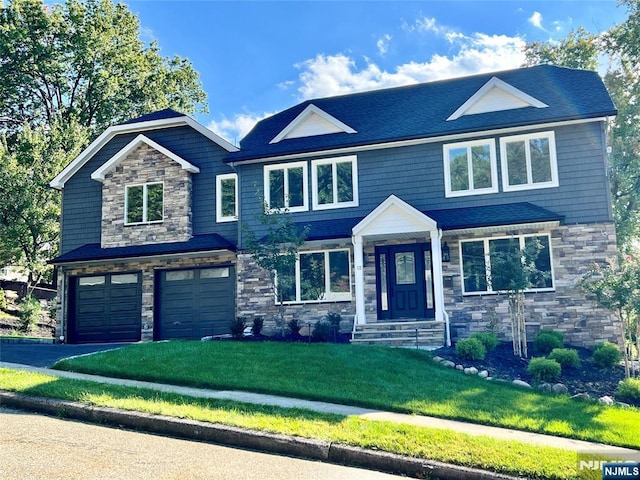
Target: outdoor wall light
x=446, y=253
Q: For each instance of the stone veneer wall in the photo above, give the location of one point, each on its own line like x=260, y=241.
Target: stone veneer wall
x=255, y=297
x=574, y=250
x=148, y=268
x=146, y=165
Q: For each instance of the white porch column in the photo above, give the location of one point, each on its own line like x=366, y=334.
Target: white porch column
x=358, y=263
x=438, y=289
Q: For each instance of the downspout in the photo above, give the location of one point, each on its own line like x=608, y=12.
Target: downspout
x=63, y=297
x=447, y=330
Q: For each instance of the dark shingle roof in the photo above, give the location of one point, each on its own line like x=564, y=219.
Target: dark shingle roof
x=93, y=251
x=159, y=115
x=448, y=219
x=421, y=111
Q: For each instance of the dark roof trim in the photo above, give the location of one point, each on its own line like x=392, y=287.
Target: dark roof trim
x=92, y=252
x=448, y=219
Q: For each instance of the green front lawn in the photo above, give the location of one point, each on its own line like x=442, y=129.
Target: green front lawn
x=401, y=380
x=509, y=457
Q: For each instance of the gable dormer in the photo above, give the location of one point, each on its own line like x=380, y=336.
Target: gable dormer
x=146, y=195
x=494, y=96
x=310, y=122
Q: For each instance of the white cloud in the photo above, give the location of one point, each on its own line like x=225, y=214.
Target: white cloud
x=536, y=20
x=424, y=24
x=328, y=75
x=234, y=129
x=383, y=44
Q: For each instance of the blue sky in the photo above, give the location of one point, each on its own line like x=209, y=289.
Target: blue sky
x=258, y=57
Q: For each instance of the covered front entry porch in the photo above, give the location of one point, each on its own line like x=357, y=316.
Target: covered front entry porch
x=398, y=278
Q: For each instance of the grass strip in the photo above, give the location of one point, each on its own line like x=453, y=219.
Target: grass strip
x=401, y=380
x=509, y=457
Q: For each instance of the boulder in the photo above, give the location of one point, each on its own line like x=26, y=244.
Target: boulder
x=460, y=367
x=544, y=387
x=438, y=359
x=471, y=371
x=582, y=397
x=448, y=364
x=521, y=383
x=607, y=400
x=483, y=374
x=560, y=389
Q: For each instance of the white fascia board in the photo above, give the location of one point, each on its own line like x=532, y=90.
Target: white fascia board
x=427, y=223
x=496, y=83
x=302, y=116
x=130, y=147
x=86, y=155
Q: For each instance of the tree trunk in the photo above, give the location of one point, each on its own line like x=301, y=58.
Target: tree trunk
x=518, y=324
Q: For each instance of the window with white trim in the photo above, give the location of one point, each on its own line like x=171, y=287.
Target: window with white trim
x=334, y=182
x=285, y=186
x=470, y=168
x=529, y=161
x=144, y=203
x=477, y=257
x=318, y=276
x=227, y=197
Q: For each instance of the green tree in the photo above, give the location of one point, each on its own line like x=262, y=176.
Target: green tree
x=579, y=50
x=67, y=72
x=276, y=252
x=616, y=286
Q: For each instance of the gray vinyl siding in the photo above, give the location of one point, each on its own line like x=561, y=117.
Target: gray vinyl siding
x=82, y=196
x=416, y=175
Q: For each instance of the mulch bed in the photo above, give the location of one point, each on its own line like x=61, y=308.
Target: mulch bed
x=503, y=364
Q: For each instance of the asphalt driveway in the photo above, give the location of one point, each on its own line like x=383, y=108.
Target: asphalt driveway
x=45, y=355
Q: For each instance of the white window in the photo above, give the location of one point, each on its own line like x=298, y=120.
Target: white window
x=285, y=187
x=319, y=276
x=478, y=256
x=528, y=161
x=334, y=182
x=470, y=168
x=144, y=203
x=227, y=197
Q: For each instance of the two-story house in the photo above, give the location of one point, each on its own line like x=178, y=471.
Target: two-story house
x=407, y=194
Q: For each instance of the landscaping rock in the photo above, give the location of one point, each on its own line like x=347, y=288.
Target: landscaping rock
x=437, y=359
x=607, y=400
x=622, y=404
x=448, y=364
x=545, y=387
x=521, y=383
x=471, y=371
x=582, y=397
x=460, y=367
x=559, y=389
x=483, y=374
x=206, y=339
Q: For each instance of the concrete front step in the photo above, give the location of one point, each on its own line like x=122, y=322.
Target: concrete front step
x=421, y=334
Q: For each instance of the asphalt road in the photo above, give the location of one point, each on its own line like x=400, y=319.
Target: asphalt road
x=39, y=447
x=45, y=355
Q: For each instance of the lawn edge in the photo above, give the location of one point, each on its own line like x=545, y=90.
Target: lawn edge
x=300, y=447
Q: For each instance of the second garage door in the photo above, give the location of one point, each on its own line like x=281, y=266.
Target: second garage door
x=194, y=303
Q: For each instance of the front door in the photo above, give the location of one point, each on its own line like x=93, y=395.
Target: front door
x=404, y=281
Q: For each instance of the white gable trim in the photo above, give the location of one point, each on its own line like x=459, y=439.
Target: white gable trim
x=70, y=170
x=394, y=217
x=521, y=99
x=130, y=147
x=335, y=125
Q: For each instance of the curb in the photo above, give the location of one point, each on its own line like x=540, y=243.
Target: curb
x=49, y=341
x=250, y=439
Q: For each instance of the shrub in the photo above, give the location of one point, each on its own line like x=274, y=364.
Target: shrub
x=544, y=369
x=547, y=340
x=294, y=327
x=256, y=328
x=606, y=355
x=488, y=339
x=322, y=331
x=237, y=326
x=566, y=357
x=629, y=390
x=29, y=310
x=470, y=349
x=334, y=320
